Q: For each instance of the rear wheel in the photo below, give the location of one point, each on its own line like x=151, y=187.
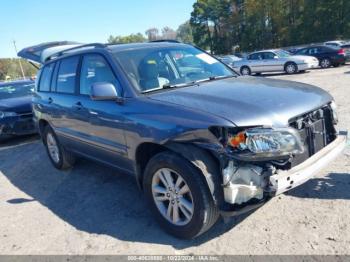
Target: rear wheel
x=245, y=71
x=291, y=68
x=179, y=196
x=60, y=158
x=325, y=63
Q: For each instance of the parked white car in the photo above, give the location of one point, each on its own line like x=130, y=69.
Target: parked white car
x=336, y=43
x=274, y=61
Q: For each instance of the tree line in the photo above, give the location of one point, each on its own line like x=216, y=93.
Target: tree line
x=225, y=26
x=183, y=34
x=10, y=69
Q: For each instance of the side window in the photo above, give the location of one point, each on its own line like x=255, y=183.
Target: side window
x=313, y=51
x=67, y=75
x=94, y=69
x=303, y=51
x=256, y=56
x=269, y=55
x=45, y=79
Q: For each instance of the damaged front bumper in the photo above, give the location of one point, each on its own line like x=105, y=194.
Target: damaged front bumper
x=286, y=180
x=249, y=190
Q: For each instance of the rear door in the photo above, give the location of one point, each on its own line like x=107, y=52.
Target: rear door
x=64, y=100
x=255, y=62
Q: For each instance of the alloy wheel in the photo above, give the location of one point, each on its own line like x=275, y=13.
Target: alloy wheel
x=172, y=196
x=290, y=69
x=53, y=147
x=325, y=63
x=245, y=71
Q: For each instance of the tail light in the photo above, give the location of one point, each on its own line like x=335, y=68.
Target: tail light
x=341, y=52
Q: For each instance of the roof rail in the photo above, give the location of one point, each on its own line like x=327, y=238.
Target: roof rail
x=164, y=40
x=95, y=45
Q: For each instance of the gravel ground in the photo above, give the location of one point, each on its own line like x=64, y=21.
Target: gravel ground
x=93, y=210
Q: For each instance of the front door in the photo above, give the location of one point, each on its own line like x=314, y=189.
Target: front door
x=103, y=120
x=271, y=62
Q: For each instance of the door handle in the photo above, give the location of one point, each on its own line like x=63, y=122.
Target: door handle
x=78, y=105
x=50, y=100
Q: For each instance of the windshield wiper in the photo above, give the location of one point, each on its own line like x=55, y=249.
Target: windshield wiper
x=192, y=83
x=220, y=77
x=170, y=86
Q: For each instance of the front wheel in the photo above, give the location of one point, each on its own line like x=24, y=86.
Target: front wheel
x=179, y=196
x=245, y=71
x=291, y=68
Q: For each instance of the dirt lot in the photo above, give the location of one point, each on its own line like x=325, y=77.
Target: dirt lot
x=93, y=210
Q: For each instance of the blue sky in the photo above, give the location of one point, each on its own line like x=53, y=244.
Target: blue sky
x=30, y=22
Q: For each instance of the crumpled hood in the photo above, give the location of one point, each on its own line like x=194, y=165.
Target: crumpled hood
x=249, y=101
x=17, y=104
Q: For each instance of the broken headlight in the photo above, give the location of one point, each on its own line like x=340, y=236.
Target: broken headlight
x=334, y=112
x=267, y=142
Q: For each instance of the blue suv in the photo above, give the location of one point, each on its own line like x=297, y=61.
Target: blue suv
x=200, y=140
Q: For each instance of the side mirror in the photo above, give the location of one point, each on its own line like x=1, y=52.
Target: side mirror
x=104, y=91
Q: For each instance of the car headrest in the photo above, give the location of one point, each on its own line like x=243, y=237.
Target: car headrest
x=148, y=69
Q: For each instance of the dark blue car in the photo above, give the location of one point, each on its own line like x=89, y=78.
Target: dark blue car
x=199, y=139
x=16, y=116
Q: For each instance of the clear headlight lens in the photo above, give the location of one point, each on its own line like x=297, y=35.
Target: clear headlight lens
x=268, y=142
x=7, y=114
x=334, y=112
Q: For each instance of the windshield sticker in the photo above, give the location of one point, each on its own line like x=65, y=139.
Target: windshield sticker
x=207, y=58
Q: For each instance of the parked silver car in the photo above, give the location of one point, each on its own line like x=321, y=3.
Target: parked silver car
x=274, y=61
x=229, y=59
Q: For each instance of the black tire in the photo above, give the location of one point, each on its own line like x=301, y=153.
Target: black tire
x=66, y=159
x=258, y=74
x=245, y=69
x=325, y=63
x=336, y=65
x=205, y=212
x=291, y=68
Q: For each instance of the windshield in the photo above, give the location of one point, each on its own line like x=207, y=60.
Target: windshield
x=157, y=68
x=282, y=53
x=12, y=90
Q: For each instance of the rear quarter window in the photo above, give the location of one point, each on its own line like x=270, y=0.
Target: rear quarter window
x=45, y=79
x=67, y=74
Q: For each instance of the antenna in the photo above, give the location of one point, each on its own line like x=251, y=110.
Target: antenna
x=19, y=60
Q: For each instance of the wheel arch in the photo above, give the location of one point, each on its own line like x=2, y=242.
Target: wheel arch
x=42, y=124
x=289, y=62
x=203, y=160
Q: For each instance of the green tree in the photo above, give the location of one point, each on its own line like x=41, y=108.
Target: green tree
x=10, y=67
x=184, y=33
x=224, y=25
x=133, y=38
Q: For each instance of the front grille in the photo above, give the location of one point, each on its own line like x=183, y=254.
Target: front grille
x=316, y=130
